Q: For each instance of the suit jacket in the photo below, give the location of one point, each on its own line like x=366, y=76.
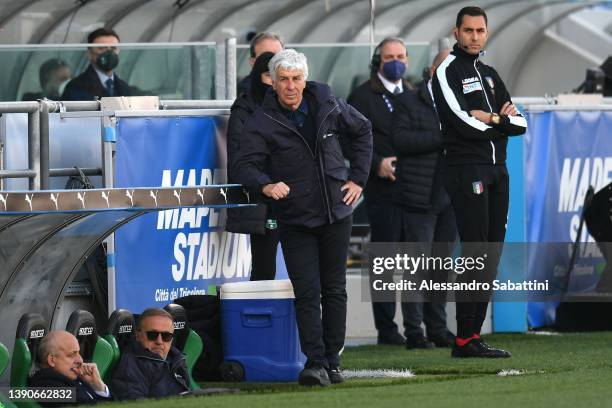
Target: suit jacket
x=49, y=378
x=87, y=87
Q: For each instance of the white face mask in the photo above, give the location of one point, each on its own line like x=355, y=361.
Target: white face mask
x=62, y=86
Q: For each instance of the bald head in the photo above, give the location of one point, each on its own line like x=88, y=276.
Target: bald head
x=438, y=59
x=60, y=351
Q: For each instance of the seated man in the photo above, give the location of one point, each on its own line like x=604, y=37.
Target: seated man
x=150, y=367
x=62, y=366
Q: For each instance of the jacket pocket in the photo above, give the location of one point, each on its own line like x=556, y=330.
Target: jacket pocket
x=333, y=159
x=298, y=202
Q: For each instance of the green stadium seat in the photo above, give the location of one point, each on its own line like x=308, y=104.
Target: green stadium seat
x=30, y=330
x=120, y=329
x=4, y=358
x=185, y=339
x=93, y=347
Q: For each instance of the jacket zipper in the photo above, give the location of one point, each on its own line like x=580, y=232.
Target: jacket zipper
x=321, y=181
x=484, y=90
x=329, y=214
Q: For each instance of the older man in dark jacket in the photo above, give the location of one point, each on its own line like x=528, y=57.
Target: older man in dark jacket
x=290, y=153
x=151, y=367
x=427, y=214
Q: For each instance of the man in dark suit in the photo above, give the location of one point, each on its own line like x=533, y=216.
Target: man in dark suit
x=99, y=79
x=427, y=214
x=62, y=366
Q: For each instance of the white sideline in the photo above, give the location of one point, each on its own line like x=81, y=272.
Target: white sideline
x=385, y=373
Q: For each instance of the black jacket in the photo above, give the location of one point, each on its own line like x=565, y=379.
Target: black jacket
x=143, y=374
x=370, y=98
x=87, y=86
x=49, y=378
x=244, y=220
x=463, y=83
x=418, y=144
x=314, y=176
x=244, y=85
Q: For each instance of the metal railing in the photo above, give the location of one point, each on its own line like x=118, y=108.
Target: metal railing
x=39, y=171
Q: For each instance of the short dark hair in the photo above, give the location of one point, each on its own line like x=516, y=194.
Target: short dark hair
x=101, y=32
x=471, y=11
x=47, y=68
x=264, y=36
x=151, y=312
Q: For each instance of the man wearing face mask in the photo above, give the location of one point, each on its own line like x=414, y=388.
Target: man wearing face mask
x=376, y=99
x=99, y=79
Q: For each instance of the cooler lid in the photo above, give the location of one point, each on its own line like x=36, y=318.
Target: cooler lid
x=258, y=289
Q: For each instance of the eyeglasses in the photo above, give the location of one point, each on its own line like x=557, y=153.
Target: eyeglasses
x=166, y=336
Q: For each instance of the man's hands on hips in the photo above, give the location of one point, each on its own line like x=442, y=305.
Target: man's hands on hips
x=387, y=168
x=90, y=374
x=353, y=192
x=276, y=191
x=507, y=109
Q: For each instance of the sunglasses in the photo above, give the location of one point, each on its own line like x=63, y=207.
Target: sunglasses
x=166, y=336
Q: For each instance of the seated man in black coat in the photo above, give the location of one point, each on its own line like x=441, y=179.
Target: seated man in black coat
x=99, y=79
x=151, y=367
x=62, y=366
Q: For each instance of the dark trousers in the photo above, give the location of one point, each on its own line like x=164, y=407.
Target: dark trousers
x=316, y=264
x=433, y=227
x=385, y=226
x=481, y=218
x=263, y=255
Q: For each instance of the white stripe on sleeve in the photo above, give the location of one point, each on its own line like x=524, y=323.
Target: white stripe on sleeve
x=451, y=99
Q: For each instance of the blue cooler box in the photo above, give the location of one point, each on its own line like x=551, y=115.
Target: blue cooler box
x=259, y=330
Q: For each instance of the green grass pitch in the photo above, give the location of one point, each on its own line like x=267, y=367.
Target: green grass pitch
x=565, y=370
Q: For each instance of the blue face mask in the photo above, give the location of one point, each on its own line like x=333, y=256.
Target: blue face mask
x=394, y=70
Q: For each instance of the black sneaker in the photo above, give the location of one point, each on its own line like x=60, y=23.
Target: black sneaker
x=335, y=375
x=418, y=342
x=479, y=349
x=314, y=376
x=394, y=339
x=443, y=340
x=502, y=353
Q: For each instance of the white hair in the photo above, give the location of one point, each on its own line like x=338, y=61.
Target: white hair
x=290, y=60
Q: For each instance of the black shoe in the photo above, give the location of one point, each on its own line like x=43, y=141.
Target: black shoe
x=418, y=342
x=478, y=348
x=502, y=353
x=443, y=340
x=314, y=376
x=394, y=339
x=335, y=375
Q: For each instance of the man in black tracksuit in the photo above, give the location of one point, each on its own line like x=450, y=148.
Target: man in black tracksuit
x=477, y=116
x=290, y=152
x=427, y=214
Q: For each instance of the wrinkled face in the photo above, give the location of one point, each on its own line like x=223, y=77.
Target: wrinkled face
x=289, y=85
x=111, y=40
x=472, y=34
x=392, y=50
x=66, y=359
x=266, y=45
x=150, y=335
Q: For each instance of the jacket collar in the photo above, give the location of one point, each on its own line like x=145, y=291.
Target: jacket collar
x=320, y=93
x=378, y=87
x=461, y=53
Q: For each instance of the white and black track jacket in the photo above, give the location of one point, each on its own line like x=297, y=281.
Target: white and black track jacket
x=463, y=83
